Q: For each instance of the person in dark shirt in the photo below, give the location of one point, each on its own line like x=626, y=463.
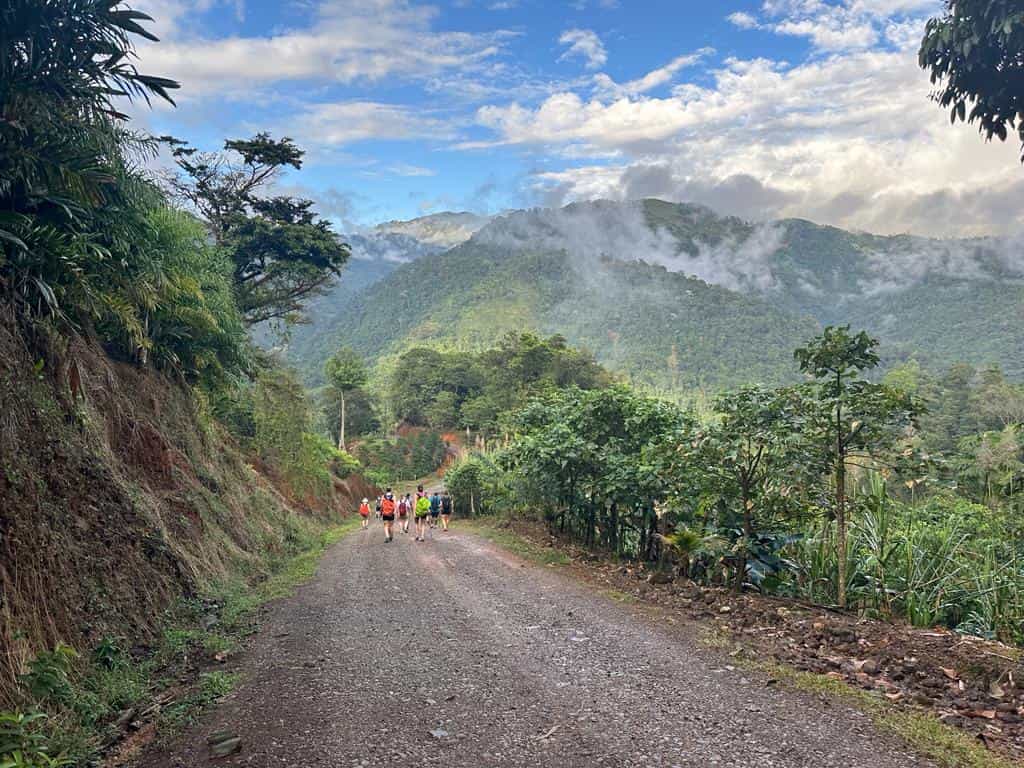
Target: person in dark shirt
x=446, y=510
x=435, y=508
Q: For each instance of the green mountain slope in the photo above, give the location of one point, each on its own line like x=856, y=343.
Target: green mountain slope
x=661, y=328
x=941, y=301
x=676, y=295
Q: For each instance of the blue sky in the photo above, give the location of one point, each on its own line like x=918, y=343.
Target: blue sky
x=811, y=108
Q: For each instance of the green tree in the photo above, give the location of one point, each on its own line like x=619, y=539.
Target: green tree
x=283, y=253
x=853, y=416
x=71, y=205
x=284, y=439
x=590, y=459
x=345, y=372
x=990, y=463
x=443, y=412
x=360, y=413
x=975, y=50
x=755, y=457
x=415, y=382
x=999, y=402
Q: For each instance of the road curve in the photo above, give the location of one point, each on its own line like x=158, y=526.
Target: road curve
x=453, y=653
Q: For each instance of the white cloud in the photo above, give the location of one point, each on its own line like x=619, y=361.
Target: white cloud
x=405, y=169
x=584, y=44
x=653, y=79
x=344, y=41
x=340, y=123
x=743, y=20
x=836, y=26
x=850, y=139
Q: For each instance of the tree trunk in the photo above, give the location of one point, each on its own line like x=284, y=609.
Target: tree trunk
x=653, y=541
x=840, y=510
x=748, y=532
x=641, y=551
x=341, y=429
x=613, y=528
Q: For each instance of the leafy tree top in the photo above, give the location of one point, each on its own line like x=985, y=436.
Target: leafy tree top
x=976, y=51
x=283, y=253
x=837, y=353
x=345, y=370
x=78, y=51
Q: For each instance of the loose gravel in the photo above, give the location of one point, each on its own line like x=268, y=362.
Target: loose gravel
x=453, y=653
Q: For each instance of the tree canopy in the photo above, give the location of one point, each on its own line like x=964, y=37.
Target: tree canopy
x=282, y=252
x=472, y=390
x=975, y=53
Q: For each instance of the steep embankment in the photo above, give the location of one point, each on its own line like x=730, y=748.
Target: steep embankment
x=118, y=496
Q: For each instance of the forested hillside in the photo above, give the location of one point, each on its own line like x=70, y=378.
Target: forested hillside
x=653, y=325
x=671, y=294
x=375, y=255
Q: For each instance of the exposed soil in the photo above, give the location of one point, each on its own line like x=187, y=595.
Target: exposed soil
x=117, y=497
x=451, y=652
x=967, y=682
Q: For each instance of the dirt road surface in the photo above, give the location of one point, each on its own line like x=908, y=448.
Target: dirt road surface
x=454, y=653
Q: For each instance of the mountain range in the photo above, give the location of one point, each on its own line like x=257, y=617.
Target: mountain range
x=672, y=295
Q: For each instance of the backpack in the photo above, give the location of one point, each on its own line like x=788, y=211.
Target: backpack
x=403, y=508
x=446, y=505
x=387, y=507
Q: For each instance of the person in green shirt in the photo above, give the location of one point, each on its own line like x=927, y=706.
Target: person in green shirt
x=422, y=512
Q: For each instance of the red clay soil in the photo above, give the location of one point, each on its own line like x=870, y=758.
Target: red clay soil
x=967, y=682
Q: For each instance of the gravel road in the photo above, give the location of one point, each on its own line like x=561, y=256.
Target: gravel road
x=451, y=652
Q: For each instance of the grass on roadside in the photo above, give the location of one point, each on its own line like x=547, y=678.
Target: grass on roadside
x=494, y=531
x=73, y=701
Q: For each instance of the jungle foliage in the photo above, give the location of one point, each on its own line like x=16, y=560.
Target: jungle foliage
x=975, y=51
x=90, y=243
x=472, y=390
x=892, y=497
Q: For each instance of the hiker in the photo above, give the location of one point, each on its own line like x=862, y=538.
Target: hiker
x=377, y=512
x=364, y=512
x=403, y=514
x=387, y=514
x=422, y=511
x=446, y=510
x=411, y=506
x=435, y=508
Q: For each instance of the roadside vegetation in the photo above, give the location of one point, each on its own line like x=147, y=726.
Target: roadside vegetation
x=895, y=495
x=896, y=498
x=135, y=407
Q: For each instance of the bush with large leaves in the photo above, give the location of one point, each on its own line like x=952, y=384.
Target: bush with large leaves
x=67, y=187
x=86, y=238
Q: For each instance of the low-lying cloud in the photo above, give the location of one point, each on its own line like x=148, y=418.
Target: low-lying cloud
x=591, y=232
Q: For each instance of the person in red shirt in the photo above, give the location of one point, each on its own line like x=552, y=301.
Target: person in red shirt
x=387, y=514
x=364, y=512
